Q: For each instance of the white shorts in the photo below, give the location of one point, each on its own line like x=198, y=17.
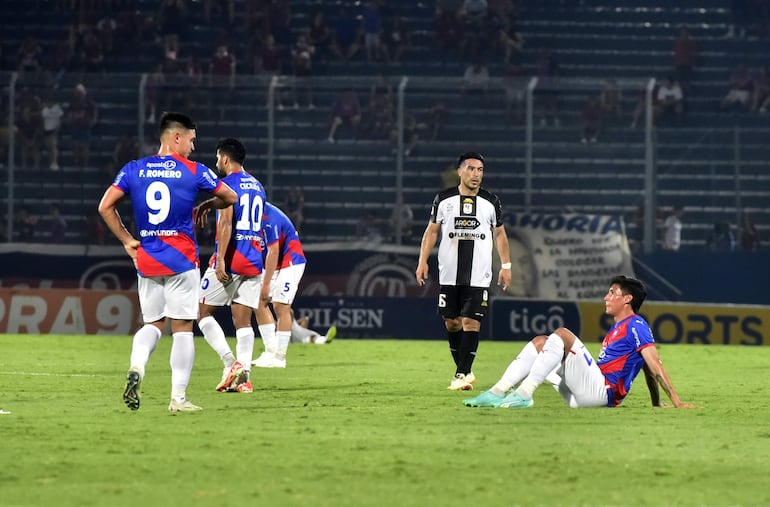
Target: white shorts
x=243, y=290
x=582, y=382
x=173, y=296
x=285, y=283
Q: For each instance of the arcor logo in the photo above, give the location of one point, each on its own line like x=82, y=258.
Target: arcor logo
x=385, y=275
x=466, y=223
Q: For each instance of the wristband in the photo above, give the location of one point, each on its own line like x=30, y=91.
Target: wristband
x=505, y=265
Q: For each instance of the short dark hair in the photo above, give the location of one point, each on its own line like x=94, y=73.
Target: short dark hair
x=633, y=287
x=170, y=120
x=469, y=155
x=233, y=148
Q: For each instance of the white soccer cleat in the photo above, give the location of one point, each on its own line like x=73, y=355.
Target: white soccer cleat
x=269, y=360
x=183, y=406
x=461, y=383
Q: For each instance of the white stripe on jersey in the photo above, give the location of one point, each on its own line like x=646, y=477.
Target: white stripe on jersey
x=466, y=239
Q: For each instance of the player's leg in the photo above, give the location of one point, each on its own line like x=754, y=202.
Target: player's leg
x=266, y=326
x=245, y=302
x=547, y=361
x=450, y=311
x=181, y=293
x=473, y=307
x=285, y=289
x=214, y=295
x=146, y=338
x=583, y=383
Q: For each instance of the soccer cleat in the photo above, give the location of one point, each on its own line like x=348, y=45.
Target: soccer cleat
x=263, y=360
x=268, y=360
x=235, y=375
x=330, y=334
x=133, y=387
x=245, y=387
x=460, y=383
x=471, y=378
x=183, y=406
x=485, y=399
x=513, y=400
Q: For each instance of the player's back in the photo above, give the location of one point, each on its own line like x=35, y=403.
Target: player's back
x=279, y=227
x=244, y=255
x=163, y=189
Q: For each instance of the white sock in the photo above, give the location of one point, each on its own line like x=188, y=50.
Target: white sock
x=300, y=334
x=283, y=343
x=517, y=370
x=215, y=337
x=267, y=332
x=244, y=346
x=546, y=362
x=320, y=339
x=145, y=341
x=182, y=357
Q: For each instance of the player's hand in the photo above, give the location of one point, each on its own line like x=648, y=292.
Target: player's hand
x=421, y=274
x=504, y=279
x=201, y=215
x=132, y=247
x=222, y=274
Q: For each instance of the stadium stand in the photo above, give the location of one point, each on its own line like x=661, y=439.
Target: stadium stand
x=712, y=161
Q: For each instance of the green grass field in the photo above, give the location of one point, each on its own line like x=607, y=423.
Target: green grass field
x=370, y=423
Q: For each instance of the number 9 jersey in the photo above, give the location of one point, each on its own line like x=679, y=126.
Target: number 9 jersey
x=163, y=190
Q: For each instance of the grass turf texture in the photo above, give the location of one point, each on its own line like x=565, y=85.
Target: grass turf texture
x=369, y=423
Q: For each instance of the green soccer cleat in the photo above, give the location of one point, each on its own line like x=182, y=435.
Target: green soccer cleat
x=485, y=399
x=132, y=390
x=330, y=334
x=513, y=400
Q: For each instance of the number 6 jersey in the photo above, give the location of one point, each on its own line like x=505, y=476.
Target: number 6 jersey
x=163, y=189
x=466, y=239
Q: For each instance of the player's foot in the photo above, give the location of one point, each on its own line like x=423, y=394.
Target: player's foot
x=236, y=374
x=269, y=360
x=485, y=399
x=470, y=378
x=183, y=406
x=245, y=387
x=331, y=334
x=460, y=383
x=327, y=338
x=132, y=390
x=513, y=400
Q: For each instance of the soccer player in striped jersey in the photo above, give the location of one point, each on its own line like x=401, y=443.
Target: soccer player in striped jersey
x=234, y=274
x=562, y=359
x=163, y=189
x=468, y=220
x=284, y=266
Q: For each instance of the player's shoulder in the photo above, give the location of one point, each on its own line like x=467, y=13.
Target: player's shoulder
x=488, y=196
x=447, y=193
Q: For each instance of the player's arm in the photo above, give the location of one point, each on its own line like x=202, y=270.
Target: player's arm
x=657, y=372
x=271, y=264
x=108, y=209
x=429, y=238
x=223, y=197
x=504, y=251
x=224, y=233
x=652, y=385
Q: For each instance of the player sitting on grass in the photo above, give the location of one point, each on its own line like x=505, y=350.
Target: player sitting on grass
x=628, y=348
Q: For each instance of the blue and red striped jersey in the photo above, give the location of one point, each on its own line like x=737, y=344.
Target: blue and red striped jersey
x=244, y=251
x=278, y=227
x=163, y=189
x=620, y=359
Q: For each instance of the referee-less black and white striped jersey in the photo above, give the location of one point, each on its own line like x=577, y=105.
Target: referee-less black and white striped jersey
x=466, y=239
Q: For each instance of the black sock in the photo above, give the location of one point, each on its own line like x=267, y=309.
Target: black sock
x=468, y=347
x=455, y=338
